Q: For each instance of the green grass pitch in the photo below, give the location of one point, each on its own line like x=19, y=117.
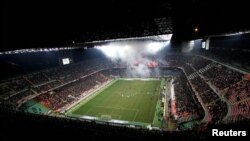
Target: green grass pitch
x=129, y=100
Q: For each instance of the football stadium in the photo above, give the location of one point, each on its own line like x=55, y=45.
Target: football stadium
x=155, y=79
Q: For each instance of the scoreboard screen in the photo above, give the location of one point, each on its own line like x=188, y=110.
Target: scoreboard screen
x=65, y=61
x=203, y=44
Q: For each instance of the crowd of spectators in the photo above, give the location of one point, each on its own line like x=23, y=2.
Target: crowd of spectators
x=199, y=85
x=199, y=62
x=188, y=69
x=17, y=97
x=238, y=96
x=175, y=60
x=222, y=77
x=64, y=74
x=13, y=85
x=240, y=110
x=239, y=59
x=44, y=80
x=187, y=105
x=65, y=95
x=37, y=78
x=48, y=86
x=217, y=108
x=238, y=92
x=61, y=85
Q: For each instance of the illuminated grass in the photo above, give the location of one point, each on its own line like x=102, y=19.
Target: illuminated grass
x=129, y=100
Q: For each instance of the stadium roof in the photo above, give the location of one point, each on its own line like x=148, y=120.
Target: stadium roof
x=36, y=24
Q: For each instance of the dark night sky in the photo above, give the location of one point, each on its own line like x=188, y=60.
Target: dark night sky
x=27, y=24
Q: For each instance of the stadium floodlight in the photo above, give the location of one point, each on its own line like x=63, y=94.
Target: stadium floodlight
x=239, y=33
x=114, y=51
x=109, y=50
x=35, y=50
x=166, y=37
x=154, y=47
x=191, y=43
